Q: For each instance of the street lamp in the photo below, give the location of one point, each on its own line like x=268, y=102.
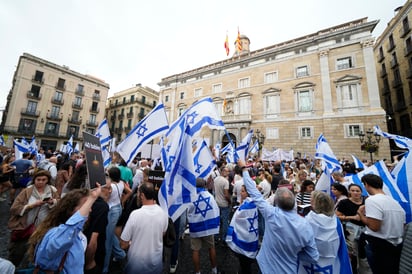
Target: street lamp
x=260, y=137
x=369, y=144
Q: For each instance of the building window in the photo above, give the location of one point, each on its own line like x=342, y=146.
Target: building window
x=38, y=76
x=352, y=130
x=129, y=123
x=344, y=63
x=35, y=91
x=52, y=128
x=272, y=105
x=143, y=99
x=58, y=96
x=348, y=95
x=302, y=71
x=93, y=118
x=217, y=88
x=271, y=77
x=182, y=95
x=94, y=106
x=244, y=83
x=77, y=101
x=391, y=42
x=75, y=116
x=219, y=107
x=166, y=98
x=304, y=101
x=31, y=107
x=244, y=106
x=61, y=83
x=132, y=98
x=90, y=130
x=180, y=110
x=306, y=132
x=55, y=111
x=80, y=88
x=124, y=100
x=272, y=133
x=198, y=92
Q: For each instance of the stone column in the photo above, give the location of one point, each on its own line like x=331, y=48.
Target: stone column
x=325, y=78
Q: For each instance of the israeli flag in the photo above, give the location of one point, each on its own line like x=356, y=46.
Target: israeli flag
x=103, y=132
x=203, y=161
x=33, y=147
x=231, y=154
x=329, y=164
x=255, y=148
x=2, y=143
x=201, y=113
x=358, y=163
x=402, y=172
x=243, y=233
x=154, y=124
x=20, y=148
x=69, y=146
x=226, y=148
x=178, y=189
x=107, y=159
x=218, y=146
x=243, y=149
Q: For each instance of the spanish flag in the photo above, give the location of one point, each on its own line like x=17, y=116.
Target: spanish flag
x=227, y=45
x=238, y=42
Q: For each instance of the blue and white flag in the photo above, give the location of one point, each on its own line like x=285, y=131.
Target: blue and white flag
x=203, y=161
x=329, y=162
x=218, y=147
x=231, y=153
x=33, y=147
x=243, y=149
x=243, y=233
x=69, y=146
x=178, y=189
x=255, y=148
x=227, y=148
x=103, y=132
x=2, y=143
x=20, y=148
x=107, y=159
x=358, y=163
x=154, y=124
x=201, y=113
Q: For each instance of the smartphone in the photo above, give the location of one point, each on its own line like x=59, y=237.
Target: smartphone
x=46, y=199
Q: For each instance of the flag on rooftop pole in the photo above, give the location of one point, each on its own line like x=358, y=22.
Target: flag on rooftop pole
x=238, y=41
x=227, y=45
x=154, y=124
x=201, y=113
x=178, y=189
x=204, y=162
x=103, y=132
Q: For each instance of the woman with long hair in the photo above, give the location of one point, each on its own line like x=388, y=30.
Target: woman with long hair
x=77, y=180
x=59, y=239
x=340, y=192
x=303, y=197
x=31, y=206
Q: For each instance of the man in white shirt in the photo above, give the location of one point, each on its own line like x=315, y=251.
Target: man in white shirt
x=138, y=177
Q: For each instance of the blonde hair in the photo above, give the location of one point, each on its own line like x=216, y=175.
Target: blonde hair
x=322, y=203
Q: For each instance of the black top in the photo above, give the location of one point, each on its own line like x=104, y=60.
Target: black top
x=349, y=208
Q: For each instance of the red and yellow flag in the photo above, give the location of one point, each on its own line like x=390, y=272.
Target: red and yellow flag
x=227, y=45
x=238, y=42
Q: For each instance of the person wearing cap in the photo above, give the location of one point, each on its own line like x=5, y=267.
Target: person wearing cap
x=288, y=237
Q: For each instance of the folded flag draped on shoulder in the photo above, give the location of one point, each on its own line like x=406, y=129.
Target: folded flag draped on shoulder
x=154, y=124
x=242, y=235
x=243, y=149
x=204, y=162
x=358, y=163
x=103, y=132
x=201, y=113
x=178, y=189
x=329, y=164
x=402, y=172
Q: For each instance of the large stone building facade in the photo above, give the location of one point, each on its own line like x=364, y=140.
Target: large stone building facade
x=126, y=108
x=393, y=52
x=324, y=82
x=52, y=102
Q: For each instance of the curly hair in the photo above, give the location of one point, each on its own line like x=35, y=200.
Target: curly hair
x=78, y=179
x=58, y=215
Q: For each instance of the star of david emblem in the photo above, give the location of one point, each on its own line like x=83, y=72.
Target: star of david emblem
x=198, y=167
x=170, y=162
x=98, y=135
x=206, y=207
x=251, y=222
x=168, y=148
x=141, y=130
x=191, y=117
x=314, y=268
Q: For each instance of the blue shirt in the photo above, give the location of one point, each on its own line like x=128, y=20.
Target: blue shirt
x=58, y=240
x=288, y=236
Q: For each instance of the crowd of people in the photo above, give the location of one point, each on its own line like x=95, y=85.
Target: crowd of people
x=249, y=208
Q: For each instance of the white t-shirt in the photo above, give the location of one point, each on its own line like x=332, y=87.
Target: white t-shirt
x=387, y=210
x=221, y=183
x=144, y=229
x=236, y=189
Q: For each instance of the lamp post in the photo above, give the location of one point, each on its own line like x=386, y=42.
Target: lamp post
x=369, y=144
x=260, y=137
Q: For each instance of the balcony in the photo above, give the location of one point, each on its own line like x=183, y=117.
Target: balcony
x=60, y=87
x=380, y=57
x=91, y=123
x=96, y=96
x=237, y=117
x=54, y=116
x=74, y=120
x=118, y=130
x=57, y=101
x=394, y=63
x=29, y=112
x=396, y=83
x=120, y=116
x=79, y=92
x=129, y=115
x=51, y=133
x=77, y=106
x=94, y=110
x=408, y=50
x=33, y=95
x=404, y=30
x=399, y=106
x=38, y=80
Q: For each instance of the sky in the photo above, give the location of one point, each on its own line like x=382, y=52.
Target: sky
x=126, y=42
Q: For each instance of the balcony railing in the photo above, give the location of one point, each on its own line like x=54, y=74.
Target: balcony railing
x=61, y=87
x=37, y=80
x=96, y=96
x=54, y=133
x=91, y=123
x=405, y=29
x=29, y=112
x=129, y=115
x=74, y=121
x=120, y=116
x=57, y=101
x=54, y=117
x=80, y=92
x=77, y=106
x=94, y=110
x=33, y=95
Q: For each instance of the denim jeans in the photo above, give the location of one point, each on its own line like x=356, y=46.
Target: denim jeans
x=224, y=221
x=112, y=242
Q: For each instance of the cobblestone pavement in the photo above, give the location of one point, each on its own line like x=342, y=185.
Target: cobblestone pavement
x=226, y=260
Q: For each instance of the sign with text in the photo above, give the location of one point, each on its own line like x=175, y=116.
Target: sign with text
x=94, y=160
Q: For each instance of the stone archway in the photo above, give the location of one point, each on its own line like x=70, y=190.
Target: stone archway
x=225, y=139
